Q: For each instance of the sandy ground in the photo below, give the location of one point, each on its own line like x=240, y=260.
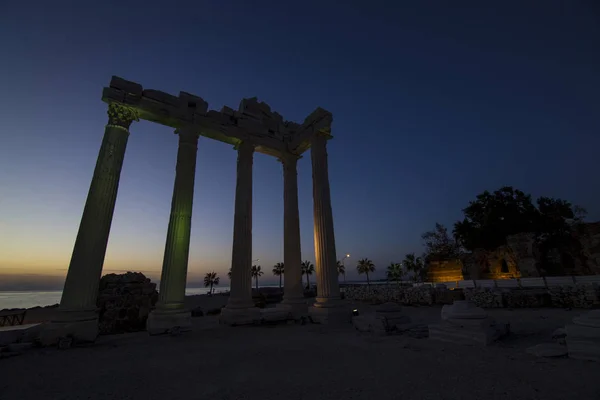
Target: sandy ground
x=305, y=362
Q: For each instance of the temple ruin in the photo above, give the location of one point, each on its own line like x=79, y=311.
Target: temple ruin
x=252, y=128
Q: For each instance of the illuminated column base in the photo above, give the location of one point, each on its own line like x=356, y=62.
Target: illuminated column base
x=170, y=312
x=240, y=308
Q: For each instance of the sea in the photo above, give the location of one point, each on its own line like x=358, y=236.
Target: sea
x=28, y=299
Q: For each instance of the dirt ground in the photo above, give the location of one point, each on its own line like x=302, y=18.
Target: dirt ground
x=305, y=362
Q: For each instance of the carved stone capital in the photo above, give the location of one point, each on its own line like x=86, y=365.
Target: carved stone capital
x=289, y=159
x=187, y=135
x=121, y=116
x=244, y=146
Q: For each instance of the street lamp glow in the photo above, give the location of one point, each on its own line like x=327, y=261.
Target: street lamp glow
x=347, y=255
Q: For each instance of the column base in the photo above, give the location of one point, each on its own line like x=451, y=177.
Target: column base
x=79, y=326
x=333, y=311
x=240, y=316
x=298, y=308
x=159, y=322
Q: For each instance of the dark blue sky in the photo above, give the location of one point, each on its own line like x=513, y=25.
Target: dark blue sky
x=433, y=102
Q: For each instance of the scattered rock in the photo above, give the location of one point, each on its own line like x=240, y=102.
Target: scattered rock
x=560, y=335
x=197, y=312
x=19, y=347
x=548, y=350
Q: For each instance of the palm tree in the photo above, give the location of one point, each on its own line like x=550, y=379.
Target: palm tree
x=229, y=274
x=364, y=267
x=307, y=269
x=414, y=264
x=211, y=279
x=278, y=271
x=394, y=272
x=341, y=269
x=256, y=272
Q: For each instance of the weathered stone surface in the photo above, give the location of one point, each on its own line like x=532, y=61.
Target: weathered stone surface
x=583, y=336
x=559, y=336
x=464, y=323
x=124, y=302
x=126, y=86
x=389, y=317
x=548, y=350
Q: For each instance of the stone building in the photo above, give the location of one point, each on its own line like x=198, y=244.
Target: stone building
x=521, y=257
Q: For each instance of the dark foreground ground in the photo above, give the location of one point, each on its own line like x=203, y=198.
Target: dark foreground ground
x=287, y=362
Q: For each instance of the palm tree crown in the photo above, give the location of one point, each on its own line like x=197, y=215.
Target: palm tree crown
x=364, y=267
x=307, y=269
x=278, y=270
x=414, y=264
x=211, y=279
x=256, y=272
x=394, y=272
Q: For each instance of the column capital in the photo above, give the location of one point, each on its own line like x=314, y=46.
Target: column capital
x=187, y=134
x=288, y=158
x=121, y=116
x=244, y=146
x=322, y=134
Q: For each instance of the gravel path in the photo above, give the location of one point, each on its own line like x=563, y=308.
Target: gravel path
x=288, y=362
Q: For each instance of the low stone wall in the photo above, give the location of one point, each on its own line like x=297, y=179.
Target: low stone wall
x=124, y=302
x=580, y=296
x=423, y=295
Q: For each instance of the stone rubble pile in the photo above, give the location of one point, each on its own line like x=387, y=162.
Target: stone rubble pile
x=124, y=302
x=485, y=297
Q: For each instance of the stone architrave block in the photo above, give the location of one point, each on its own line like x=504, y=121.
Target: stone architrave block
x=126, y=86
x=193, y=103
x=161, y=97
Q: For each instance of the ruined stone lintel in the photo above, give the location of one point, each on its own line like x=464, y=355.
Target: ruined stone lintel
x=272, y=134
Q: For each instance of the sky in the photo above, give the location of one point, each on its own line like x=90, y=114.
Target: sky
x=433, y=102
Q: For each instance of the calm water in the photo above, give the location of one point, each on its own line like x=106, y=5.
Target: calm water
x=24, y=299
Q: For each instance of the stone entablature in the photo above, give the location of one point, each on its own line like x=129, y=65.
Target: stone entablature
x=253, y=120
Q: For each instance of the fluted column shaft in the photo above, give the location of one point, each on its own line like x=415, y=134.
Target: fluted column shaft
x=175, y=262
x=241, y=257
x=292, y=257
x=81, y=285
x=325, y=255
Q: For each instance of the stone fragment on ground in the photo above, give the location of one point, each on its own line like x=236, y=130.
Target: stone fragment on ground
x=583, y=337
x=548, y=350
x=559, y=336
x=463, y=323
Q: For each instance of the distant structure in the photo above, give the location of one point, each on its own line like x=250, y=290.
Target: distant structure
x=520, y=258
x=253, y=127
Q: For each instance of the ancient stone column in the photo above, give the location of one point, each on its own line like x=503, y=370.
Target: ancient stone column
x=78, y=303
x=240, y=308
x=327, y=305
x=293, y=295
x=170, y=311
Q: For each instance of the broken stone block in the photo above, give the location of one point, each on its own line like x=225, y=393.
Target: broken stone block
x=126, y=86
x=363, y=323
x=161, y=97
x=192, y=103
x=583, y=337
x=560, y=335
x=390, y=317
x=548, y=350
x=464, y=323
